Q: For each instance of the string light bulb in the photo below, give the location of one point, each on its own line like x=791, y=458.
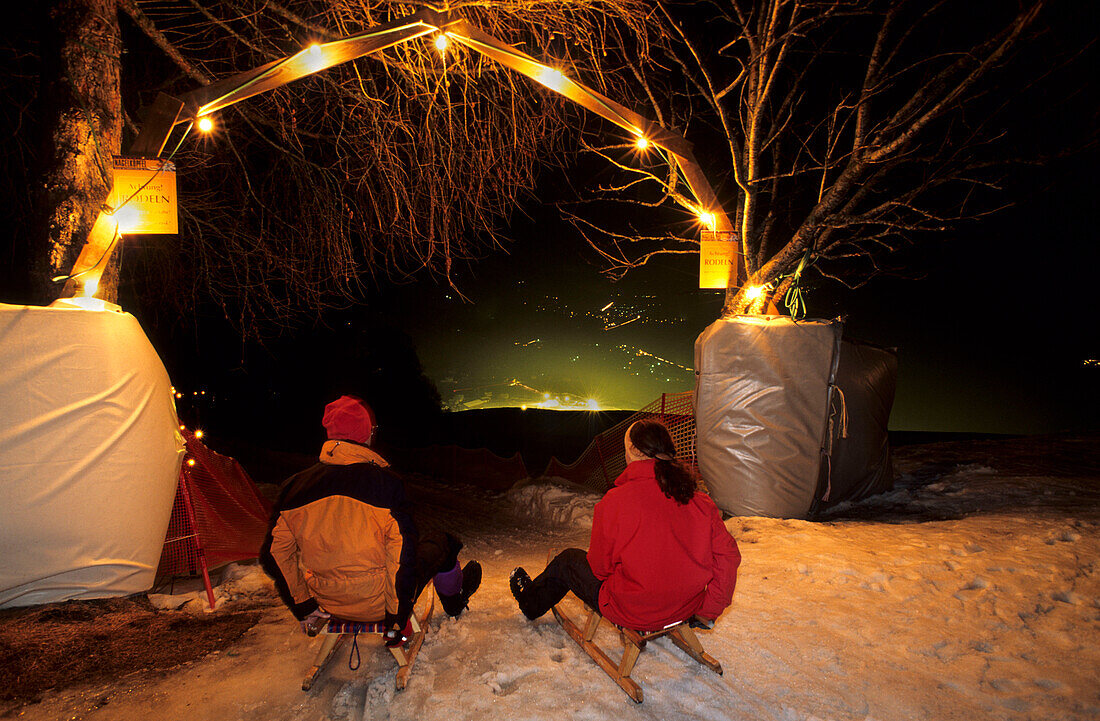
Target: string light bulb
x=641, y=143
x=441, y=42
x=206, y=124
x=198, y=433
x=314, y=58
x=754, y=292
x=91, y=285
x=128, y=218
x=551, y=78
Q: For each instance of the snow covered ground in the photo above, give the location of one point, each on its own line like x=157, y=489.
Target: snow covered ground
x=969, y=592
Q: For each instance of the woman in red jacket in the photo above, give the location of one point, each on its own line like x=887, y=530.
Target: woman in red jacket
x=659, y=553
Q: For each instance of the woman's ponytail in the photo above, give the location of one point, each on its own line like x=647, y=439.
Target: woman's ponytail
x=653, y=440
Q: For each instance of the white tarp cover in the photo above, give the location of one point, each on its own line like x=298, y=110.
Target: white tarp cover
x=761, y=407
x=89, y=455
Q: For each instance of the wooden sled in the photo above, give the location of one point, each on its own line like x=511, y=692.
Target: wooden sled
x=633, y=643
x=338, y=629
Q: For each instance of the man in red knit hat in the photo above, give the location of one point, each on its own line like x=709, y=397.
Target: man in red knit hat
x=343, y=541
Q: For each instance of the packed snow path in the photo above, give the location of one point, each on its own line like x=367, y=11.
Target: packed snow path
x=969, y=592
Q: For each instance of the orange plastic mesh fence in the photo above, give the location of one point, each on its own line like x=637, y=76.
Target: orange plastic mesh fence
x=228, y=517
x=604, y=459
x=179, y=556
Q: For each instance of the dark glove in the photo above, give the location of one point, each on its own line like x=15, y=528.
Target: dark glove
x=395, y=635
x=314, y=622
x=397, y=630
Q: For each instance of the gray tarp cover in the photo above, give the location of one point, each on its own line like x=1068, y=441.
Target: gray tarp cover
x=859, y=464
x=762, y=404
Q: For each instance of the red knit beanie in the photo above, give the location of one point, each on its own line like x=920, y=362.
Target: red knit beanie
x=349, y=419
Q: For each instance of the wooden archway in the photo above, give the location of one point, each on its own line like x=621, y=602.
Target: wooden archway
x=168, y=111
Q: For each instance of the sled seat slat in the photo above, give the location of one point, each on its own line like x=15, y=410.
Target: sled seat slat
x=634, y=642
x=338, y=628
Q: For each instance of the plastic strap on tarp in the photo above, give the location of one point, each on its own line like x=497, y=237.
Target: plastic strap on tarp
x=833, y=434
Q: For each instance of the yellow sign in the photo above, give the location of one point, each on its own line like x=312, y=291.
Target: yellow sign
x=144, y=196
x=719, y=253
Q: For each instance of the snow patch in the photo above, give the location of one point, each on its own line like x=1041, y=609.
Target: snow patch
x=984, y=608
x=551, y=501
x=973, y=469
x=235, y=582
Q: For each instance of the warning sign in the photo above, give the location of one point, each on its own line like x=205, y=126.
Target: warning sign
x=144, y=196
x=719, y=254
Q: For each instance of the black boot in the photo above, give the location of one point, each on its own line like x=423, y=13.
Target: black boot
x=471, y=580
x=520, y=584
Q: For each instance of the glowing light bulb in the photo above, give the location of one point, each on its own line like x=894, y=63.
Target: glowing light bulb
x=641, y=143
x=707, y=219
x=91, y=285
x=441, y=42
x=551, y=78
x=754, y=292
x=190, y=461
x=206, y=124
x=128, y=218
x=198, y=433
x=314, y=58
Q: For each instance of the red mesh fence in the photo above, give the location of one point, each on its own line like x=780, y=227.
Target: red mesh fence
x=604, y=459
x=227, y=518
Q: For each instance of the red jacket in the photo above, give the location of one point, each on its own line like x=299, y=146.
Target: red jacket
x=660, y=562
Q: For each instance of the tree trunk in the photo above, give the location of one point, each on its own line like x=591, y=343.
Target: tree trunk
x=82, y=130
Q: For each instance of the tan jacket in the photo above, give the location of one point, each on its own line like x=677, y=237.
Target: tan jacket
x=343, y=535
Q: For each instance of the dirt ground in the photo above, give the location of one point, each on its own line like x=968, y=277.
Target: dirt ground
x=60, y=645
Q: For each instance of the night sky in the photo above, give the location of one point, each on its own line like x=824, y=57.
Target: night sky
x=994, y=325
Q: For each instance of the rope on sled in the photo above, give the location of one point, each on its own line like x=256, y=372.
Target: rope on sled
x=354, y=656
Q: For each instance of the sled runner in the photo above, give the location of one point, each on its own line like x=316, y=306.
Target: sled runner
x=633, y=643
x=337, y=629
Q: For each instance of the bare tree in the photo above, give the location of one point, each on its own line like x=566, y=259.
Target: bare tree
x=847, y=128
x=404, y=161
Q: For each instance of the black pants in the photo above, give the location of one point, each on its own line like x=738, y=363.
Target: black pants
x=569, y=571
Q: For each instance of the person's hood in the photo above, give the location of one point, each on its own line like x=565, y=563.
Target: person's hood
x=345, y=453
